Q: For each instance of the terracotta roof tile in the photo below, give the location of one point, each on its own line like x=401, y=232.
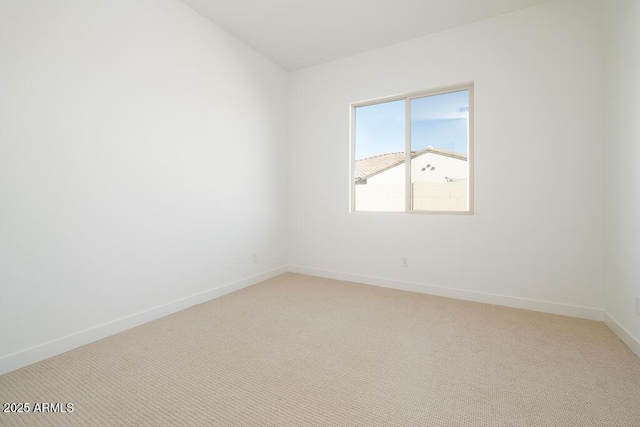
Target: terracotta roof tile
x=371, y=166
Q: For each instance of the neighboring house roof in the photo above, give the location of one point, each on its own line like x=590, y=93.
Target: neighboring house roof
x=371, y=166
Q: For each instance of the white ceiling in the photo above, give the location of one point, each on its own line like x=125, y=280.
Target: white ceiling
x=300, y=33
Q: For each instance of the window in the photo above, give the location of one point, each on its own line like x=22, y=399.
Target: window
x=432, y=132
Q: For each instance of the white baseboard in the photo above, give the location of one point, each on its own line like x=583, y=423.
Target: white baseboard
x=52, y=348
x=632, y=342
x=488, y=298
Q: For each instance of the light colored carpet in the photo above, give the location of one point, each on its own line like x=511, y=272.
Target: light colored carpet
x=305, y=351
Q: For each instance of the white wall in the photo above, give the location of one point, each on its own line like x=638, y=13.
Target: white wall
x=622, y=144
x=538, y=136
x=143, y=159
x=141, y=162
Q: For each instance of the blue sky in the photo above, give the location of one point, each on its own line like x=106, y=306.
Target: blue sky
x=435, y=120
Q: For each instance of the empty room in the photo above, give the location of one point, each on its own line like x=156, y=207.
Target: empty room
x=319, y=213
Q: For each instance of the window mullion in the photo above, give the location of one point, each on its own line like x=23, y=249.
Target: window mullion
x=407, y=151
x=352, y=162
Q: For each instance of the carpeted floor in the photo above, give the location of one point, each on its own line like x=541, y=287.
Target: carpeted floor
x=305, y=351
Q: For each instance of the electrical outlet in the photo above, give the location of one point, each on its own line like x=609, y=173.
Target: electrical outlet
x=637, y=306
x=254, y=258
x=404, y=261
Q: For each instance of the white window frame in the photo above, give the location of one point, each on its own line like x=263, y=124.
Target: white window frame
x=407, y=99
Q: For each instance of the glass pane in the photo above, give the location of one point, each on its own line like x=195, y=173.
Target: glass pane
x=439, y=152
x=379, y=157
